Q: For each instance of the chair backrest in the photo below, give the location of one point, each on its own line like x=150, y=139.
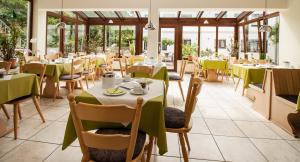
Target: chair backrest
x=123, y=64
x=191, y=99
x=28, y=59
x=51, y=57
x=286, y=81
x=92, y=64
x=106, y=113
x=77, y=66
x=182, y=68
x=144, y=70
x=35, y=68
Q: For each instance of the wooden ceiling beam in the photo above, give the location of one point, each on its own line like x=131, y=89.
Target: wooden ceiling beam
x=199, y=15
x=100, y=14
x=243, y=16
x=138, y=15
x=120, y=16
x=271, y=15
x=81, y=14
x=178, y=14
x=221, y=15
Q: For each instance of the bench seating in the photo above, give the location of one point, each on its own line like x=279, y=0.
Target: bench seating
x=285, y=91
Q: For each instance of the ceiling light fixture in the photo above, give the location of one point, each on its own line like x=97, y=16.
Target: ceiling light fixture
x=110, y=21
x=265, y=27
x=61, y=25
x=206, y=22
x=150, y=25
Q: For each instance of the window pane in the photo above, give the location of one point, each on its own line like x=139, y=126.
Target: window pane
x=273, y=40
x=69, y=14
x=96, y=39
x=128, y=40
x=145, y=40
x=90, y=14
x=81, y=38
x=185, y=14
x=232, y=14
x=144, y=13
x=69, y=38
x=169, y=14
x=226, y=40
x=210, y=14
x=252, y=45
x=112, y=38
x=129, y=14
x=109, y=14
x=52, y=35
x=207, y=41
x=189, y=41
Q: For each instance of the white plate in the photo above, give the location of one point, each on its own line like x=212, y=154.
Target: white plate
x=109, y=94
x=135, y=93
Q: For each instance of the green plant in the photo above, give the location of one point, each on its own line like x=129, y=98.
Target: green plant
x=205, y=53
x=234, y=48
x=274, y=34
x=8, y=42
x=167, y=42
x=189, y=49
x=132, y=48
x=262, y=56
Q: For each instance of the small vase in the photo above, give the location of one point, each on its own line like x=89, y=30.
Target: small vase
x=13, y=63
x=190, y=58
x=7, y=66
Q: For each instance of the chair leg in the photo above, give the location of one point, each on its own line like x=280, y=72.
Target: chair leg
x=5, y=111
x=143, y=158
x=180, y=87
x=81, y=85
x=16, y=116
x=37, y=106
x=183, y=148
x=149, y=150
x=69, y=86
x=86, y=82
x=187, y=141
x=237, y=84
x=19, y=112
x=93, y=78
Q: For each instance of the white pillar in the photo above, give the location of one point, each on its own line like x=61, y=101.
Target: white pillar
x=153, y=34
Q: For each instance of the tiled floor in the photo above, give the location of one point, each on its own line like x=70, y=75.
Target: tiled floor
x=225, y=129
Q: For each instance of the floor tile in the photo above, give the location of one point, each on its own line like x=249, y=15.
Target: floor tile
x=164, y=159
x=223, y=127
x=277, y=150
x=54, y=133
x=71, y=154
x=204, y=147
x=238, y=149
x=29, y=152
x=283, y=134
x=295, y=144
x=199, y=126
x=8, y=144
x=213, y=113
x=52, y=113
x=256, y=130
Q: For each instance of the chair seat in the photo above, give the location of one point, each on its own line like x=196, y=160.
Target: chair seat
x=69, y=77
x=101, y=155
x=291, y=98
x=174, y=76
x=86, y=72
x=174, y=118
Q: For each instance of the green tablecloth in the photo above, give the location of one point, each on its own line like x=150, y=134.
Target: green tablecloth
x=99, y=61
x=249, y=74
x=214, y=64
x=152, y=122
x=162, y=74
x=56, y=70
x=135, y=59
x=20, y=85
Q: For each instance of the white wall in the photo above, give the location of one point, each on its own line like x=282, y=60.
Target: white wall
x=289, y=41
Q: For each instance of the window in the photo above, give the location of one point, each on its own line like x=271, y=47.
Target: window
x=253, y=45
x=52, y=35
x=189, y=41
x=207, y=41
x=145, y=40
x=112, y=38
x=96, y=40
x=69, y=43
x=81, y=38
x=273, y=40
x=226, y=40
x=128, y=40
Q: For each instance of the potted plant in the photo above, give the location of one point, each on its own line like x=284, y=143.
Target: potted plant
x=188, y=51
x=8, y=44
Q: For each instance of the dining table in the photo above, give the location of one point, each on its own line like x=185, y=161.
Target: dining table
x=152, y=117
x=249, y=74
x=212, y=67
x=14, y=86
x=298, y=102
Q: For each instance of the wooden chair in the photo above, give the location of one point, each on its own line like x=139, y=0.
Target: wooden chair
x=75, y=76
x=52, y=57
x=179, y=77
x=35, y=68
x=29, y=59
x=109, y=145
x=285, y=92
x=90, y=71
x=197, y=67
x=178, y=121
x=5, y=111
x=146, y=71
x=108, y=66
x=123, y=65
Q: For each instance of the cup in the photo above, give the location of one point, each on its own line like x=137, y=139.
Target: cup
x=138, y=89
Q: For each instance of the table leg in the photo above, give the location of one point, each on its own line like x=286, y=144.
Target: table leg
x=237, y=84
x=50, y=90
x=212, y=75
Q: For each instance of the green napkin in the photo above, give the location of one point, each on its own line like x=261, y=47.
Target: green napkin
x=114, y=91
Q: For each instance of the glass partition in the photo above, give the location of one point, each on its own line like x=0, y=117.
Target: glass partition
x=52, y=35
x=69, y=43
x=81, y=38
x=96, y=39
x=112, y=38
x=226, y=40
x=207, y=41
x=128, y=40
x=189, y=41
